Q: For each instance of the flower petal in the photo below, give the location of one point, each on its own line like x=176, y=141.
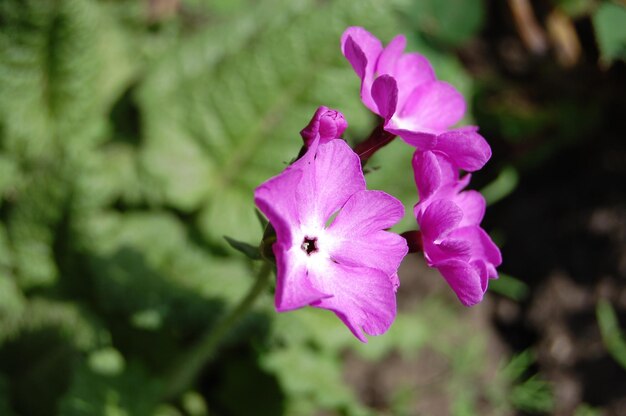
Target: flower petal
x=435, y=173
x=450, y=173
x=447, y=249
x=454, y=248
x=482, y=246
x=361, y=49
x=355, y=55
x=427, y=173
x=432, y=107
x=358, y=233
x=331, y=174
x=464, y=279
x=422, y=140
x=367, y=212
x=467, y=149
x=439, y=217
x=363, y=298
x=385, y=95
x=473, y=205
x=276, y=198
x=412, y=70
x=294, y=288
x=390, y=56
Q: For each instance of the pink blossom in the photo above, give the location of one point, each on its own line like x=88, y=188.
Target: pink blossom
x=327, y=124
x=449, y=220
x=347, y=264
x=403, y=90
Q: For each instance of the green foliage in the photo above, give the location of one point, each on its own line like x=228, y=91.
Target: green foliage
x=5, y=407
x=502, y=186
x=533, y=396
x=577, y=8
x=106, y=361
x=529, y=394
x=146, y=268
x=132, y=392
x=612, y=336
x=39, y=206
x=50, y=67
x=608, y=22
x=510, y=287
x=208, y=117
x=449, y=22
x=38, y=314
x=586, y=410
x=248, y=250
x=131, y=139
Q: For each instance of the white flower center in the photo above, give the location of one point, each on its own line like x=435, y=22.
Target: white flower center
x=313, y=244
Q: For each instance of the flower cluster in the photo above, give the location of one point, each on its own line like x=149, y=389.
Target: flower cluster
x=449, y=219
x=332, y=248
x=403, y=90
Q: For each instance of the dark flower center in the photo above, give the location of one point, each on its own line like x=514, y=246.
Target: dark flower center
x=308, y=245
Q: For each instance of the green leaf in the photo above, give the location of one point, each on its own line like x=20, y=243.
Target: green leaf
x=9, y=175
x=74, y=324
x=262, y=220
x=504, y=184
x=608, y=22
x=49, y=94
x=577, y=8
x=12, y=305
x=612, y=336
x=132, y=392
x=145, y=267
x=194, y=404
x=248, y=250
x=219, y=123
x=587, y=410
x=510, y=287
x=106, y=361
x=37, y=210
x=450, y=22
x=312, y=381
x=533, y=395
x=518, y=365
x=110, y=175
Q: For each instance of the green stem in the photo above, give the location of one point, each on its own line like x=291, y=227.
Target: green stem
x=187, y=370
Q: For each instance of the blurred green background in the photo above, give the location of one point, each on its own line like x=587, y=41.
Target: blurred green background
x=132, y=134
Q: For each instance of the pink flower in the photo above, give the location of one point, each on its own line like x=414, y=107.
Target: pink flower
x=347, y=264
x=327, y=124
x=403, y=90
x=449, y=220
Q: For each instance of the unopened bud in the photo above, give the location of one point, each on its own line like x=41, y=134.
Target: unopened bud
x=327, y=124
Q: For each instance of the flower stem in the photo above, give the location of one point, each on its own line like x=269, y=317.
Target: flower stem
x=189, y=367
x=413, y=240
x=377, y=139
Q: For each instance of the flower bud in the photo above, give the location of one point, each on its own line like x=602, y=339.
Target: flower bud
x=327, y=124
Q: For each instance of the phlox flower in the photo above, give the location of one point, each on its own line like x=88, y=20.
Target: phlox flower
x=402, y=89
x=449, y=220
x=332, y=250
